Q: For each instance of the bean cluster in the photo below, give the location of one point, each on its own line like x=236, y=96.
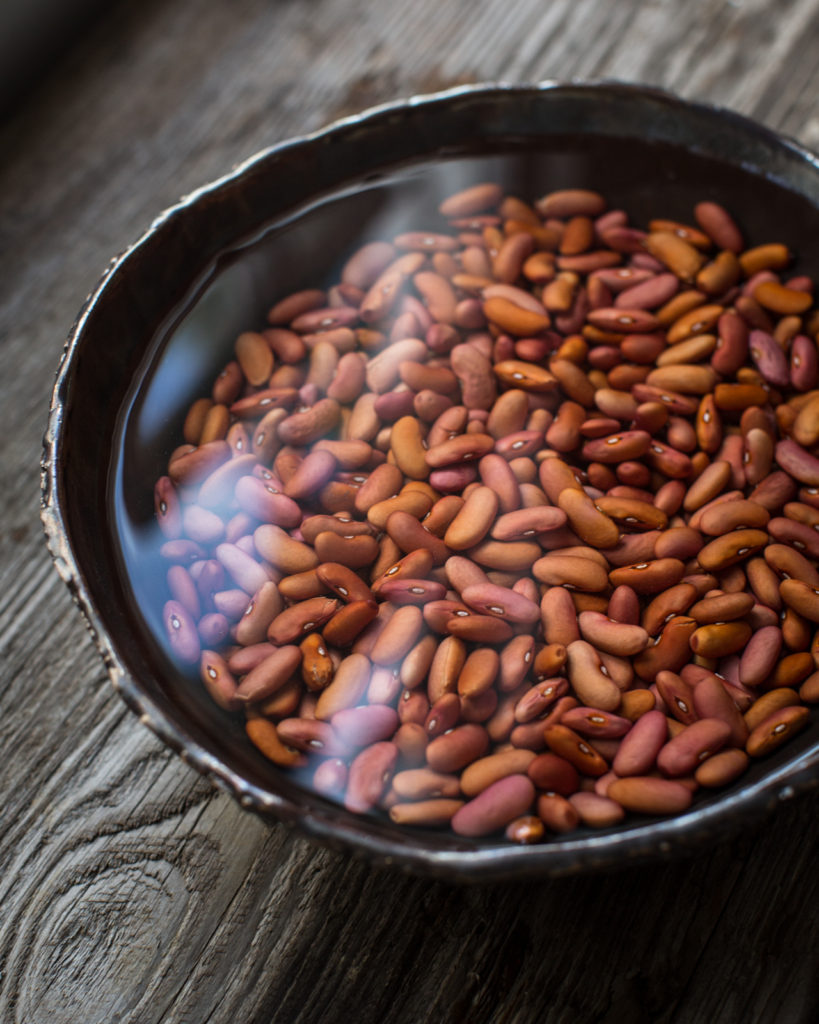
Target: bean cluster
x=516, y=525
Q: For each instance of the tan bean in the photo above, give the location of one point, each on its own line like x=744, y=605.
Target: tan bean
x=355, y=552
x=474, y=521
x=424, y=784
x=278, y=548
x=406, y=442
x=399, y=635
x=482, y=773
x=647, y=795
x=596, y=811
x=674, y=601
x=590, y=683
x=588, y=522
x=347, y=688
x=471, y=200
x=425, y=813
x=565, y=570
x=809, y=690
x=571, y=202
x=720, y=639
x=263, y=735
x=262, y=608
x=509, y=556
x=557, y=814
x=529, y=377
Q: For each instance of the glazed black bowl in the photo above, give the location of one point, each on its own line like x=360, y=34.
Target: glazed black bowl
x=162, y=321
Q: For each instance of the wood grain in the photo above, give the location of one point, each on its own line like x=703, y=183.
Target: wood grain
x=132, y=891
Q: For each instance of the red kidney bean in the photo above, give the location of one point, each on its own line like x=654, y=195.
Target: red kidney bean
x=330, y=777
x=769, y=358
x=501, y=601
x=639, y=748
x=269, y=675
x=804, y=363
x=760, y=656
x=693, y=744
x=215, y=673
x=181, y=632
x=362, y=726
x=553, y=774
x=712, y=700
x=495, y=807
x=369, y=774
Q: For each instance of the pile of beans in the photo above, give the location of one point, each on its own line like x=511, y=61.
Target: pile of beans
x=516, y=525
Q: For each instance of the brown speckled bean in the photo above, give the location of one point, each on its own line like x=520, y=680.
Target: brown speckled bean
x=776, y=729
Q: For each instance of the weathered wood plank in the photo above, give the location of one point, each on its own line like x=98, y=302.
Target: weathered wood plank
x=131, y=890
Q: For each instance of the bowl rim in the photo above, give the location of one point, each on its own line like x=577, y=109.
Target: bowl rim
x=332, y=825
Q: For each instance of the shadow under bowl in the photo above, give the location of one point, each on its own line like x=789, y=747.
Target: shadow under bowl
x=162, y=322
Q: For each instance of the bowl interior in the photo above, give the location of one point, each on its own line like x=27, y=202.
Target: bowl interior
x=165, y=320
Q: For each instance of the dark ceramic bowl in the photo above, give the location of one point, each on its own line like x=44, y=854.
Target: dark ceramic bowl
x=211, y=265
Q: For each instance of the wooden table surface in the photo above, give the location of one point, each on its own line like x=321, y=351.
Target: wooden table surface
x=131, y=891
